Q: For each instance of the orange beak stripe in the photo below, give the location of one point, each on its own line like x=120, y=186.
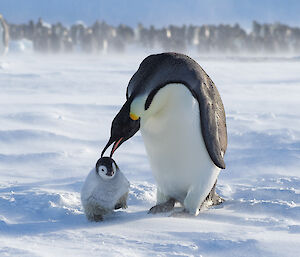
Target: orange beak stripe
x=116, y=146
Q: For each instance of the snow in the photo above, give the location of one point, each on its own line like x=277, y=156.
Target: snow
x=55, y=116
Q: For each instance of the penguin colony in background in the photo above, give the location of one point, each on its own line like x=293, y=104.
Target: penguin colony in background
x=180, y=114
x=101, y=37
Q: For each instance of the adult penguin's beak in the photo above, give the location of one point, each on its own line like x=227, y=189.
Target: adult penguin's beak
x=122, y=128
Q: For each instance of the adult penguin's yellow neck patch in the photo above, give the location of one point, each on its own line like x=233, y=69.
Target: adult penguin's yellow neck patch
x=133, y=116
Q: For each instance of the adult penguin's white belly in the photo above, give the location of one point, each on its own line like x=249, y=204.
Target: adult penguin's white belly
x=178, y=156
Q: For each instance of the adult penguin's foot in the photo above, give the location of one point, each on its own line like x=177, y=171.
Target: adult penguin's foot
x=163, y=207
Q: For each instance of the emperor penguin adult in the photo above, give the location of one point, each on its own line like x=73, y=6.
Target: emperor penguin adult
x=180, y=114
x=4, y=35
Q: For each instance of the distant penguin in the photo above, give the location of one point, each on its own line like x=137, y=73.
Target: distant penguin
x=4, y=36
x=181, y=116
x=104, y=190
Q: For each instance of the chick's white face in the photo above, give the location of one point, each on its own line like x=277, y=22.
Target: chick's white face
x=107, y=172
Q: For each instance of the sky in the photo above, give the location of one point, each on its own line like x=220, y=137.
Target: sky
x=157, y=12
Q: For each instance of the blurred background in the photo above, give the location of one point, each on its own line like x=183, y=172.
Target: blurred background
x=64, y=69
x=205, y=27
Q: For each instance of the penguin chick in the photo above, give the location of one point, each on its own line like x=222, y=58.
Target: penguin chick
x=104, y=190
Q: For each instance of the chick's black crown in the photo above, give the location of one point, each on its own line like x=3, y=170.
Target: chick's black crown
x=107, y=162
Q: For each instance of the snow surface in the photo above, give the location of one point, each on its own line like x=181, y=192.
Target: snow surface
x=55, y=116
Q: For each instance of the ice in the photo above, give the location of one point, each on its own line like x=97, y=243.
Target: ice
x=55, y=116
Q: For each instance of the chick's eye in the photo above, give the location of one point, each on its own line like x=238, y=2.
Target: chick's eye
x=102, y=169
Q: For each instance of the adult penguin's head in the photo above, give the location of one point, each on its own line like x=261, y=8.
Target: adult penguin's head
x=122, y=128
x=154, y=73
